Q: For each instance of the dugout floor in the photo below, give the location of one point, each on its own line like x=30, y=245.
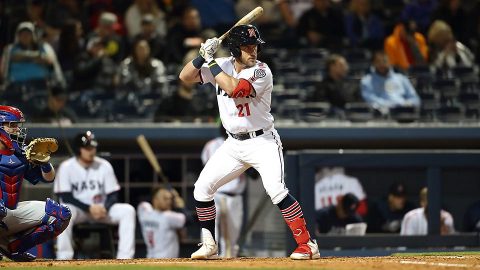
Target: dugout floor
x=377, y=263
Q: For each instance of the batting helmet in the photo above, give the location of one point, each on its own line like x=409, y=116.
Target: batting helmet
x=11, y=121
x=245, y=34
x=84, y=139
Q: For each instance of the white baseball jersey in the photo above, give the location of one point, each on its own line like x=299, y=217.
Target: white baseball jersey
x=240, y=115
x=332, y=186
x=88, y=185
x=415, y=222
x=237, y=185
x=159, y=231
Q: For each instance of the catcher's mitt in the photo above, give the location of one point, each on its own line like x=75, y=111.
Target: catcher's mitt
x=38, y=151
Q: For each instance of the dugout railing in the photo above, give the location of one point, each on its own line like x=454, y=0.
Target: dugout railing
x=300, y=174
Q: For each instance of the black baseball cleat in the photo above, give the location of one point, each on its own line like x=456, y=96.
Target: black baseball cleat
x=18, y=256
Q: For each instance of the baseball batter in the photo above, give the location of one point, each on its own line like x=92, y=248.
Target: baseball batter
x=228, y=203
x=23, y=225
x=244, y=88
x=87, y=184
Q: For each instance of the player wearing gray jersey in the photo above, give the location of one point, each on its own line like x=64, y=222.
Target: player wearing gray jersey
x=244, y=88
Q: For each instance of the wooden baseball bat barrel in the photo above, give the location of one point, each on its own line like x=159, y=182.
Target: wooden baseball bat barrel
x=147, y=151
x=250, y=17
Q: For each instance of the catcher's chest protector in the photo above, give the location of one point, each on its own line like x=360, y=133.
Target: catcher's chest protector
x=12, y=170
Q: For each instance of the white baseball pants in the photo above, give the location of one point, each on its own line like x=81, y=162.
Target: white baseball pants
x=120, y=213
x=264, y=153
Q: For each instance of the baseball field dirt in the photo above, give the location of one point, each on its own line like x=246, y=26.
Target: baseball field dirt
x=326, y=263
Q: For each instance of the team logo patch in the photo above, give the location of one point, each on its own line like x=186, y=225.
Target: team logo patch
x=251, y=32
x=259, y=73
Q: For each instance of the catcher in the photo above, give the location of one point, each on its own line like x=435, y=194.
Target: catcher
x=25, y=224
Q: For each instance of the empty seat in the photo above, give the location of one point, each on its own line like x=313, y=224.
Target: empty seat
x=470, y=100
x=314, y=111
x=451, y=113
x=447, y=88
x=357, y=55
x=359, y=112
x=405, y=114
x=289, y=109
x=468, y=73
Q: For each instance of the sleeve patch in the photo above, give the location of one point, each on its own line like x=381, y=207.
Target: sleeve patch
x=259, y=73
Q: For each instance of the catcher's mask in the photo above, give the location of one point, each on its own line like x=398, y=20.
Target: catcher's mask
x=84, y=139
x=11, y=121
x=245, y=34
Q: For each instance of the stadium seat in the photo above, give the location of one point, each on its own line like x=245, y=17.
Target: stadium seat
x=452, y=113
x=314, y=111
x=289, y=109
x=448, y=88
x=406, y=114
x=359, y=112
x=465, y=73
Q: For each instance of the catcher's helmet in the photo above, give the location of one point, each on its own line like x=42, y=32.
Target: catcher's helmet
x=245, y=34
x=13, y=118
x=84, y=139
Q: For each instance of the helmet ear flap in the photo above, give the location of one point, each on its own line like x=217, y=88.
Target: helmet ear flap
x=236, y=52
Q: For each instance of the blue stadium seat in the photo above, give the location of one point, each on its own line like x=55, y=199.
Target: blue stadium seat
x=452, y=113
x=405, y=114
x=359, y=112
x=314, y=111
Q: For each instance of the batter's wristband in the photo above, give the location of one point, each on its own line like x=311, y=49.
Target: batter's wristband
x=215, y=68
x=198, y=62
x=46, y=168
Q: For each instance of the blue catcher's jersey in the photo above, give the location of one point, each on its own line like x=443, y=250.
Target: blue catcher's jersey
x=13, y=169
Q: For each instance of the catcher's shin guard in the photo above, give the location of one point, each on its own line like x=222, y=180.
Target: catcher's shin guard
x=45, y=231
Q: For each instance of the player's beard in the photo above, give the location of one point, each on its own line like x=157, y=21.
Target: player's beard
x=249, y=62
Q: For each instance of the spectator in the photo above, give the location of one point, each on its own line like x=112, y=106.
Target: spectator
x=474, y=35
x=182, y=106
x=333, y=87
x=160, y=223
x=184, y=36
x=29, y=62
x=87, y=184
x=137, y=10
x=56, y=110
x=405, y=47
x=451, y=12
x=147, y=32
x=364, y=29
x=471, y=220
x=141, y=72
x=218, y=15
x=332, y=183
x=415, y=222
x=70, y=44
x=385, y=215
x=94, y=70
x=292, y=10
x=446, y=52
x=60, y=11
x=105, y=30
x=322, y=26
x=383, y=88
x=333, y=219
x=419, y=11
x=271, y=22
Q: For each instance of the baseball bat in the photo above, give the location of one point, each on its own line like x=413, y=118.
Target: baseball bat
x=147, y=151
x=250, y=17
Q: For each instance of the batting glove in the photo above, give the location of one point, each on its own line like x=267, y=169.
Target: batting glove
x=209, y=48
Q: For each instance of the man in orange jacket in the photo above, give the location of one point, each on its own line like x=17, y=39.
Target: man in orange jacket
x=405, y=47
